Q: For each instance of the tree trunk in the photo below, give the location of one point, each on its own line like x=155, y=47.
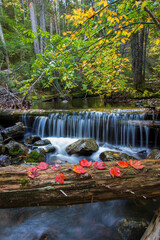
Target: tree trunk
x=18, y=190
x=51, y=27
x=42, y=25
x=153, y=230
x=138, y=51
x=3, y=40
x=34, y=28
x=58, y=16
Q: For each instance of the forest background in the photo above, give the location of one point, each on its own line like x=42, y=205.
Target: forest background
x=75, y=48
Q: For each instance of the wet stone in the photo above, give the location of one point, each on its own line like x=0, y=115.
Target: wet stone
x=42, y=142
x=32, y=139
x=115, y=156
x=84, y=147
x=130, y=229
x=5, y=160
x=154, y=154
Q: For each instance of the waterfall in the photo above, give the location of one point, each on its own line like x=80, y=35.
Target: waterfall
x=113, y=128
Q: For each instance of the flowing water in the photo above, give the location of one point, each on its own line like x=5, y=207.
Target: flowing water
x=119, y=131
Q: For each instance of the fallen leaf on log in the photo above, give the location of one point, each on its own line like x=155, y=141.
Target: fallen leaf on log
x=115, y=171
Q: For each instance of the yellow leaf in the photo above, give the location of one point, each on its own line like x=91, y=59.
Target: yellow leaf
x=64, y=33
x=143, y=5
x=157, y=41
x=122, y=40
x=56, y=54
x=101, y=14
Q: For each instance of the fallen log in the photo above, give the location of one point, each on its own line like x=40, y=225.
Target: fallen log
x=18, y=190
x=153, y=230
x=17, y=131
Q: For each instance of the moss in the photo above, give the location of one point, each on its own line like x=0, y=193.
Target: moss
x=23, y=182
x=34, y=157
x=16, y=152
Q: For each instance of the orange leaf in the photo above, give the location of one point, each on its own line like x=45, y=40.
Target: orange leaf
x=123, y=164
x=85, y=163
x=135, y=164
x=79, y=169
x=115, y=171
x=60, y=178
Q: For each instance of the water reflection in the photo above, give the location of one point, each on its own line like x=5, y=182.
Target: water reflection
x=88, y=222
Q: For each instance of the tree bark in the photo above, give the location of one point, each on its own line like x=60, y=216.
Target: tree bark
x=42, y=25
x=34, y=28
x=153, y=230
x=18, y=190
x=3, y=40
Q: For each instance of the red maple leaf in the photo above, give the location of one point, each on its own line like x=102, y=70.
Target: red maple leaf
x=56, y=167
x=43, y=166
x=85, y=163
x=60, y=178
x=79, y=169
x=123, y=164
x=115, y=171
x=99, y=165
x=32, y=173
x=135, y=164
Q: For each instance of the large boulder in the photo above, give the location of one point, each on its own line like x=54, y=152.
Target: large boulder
x=154, y=154
x=42, y=142
x=15, y=149
x=130, y=229
x=84, y=147
x=115, y=156
x=32, y=139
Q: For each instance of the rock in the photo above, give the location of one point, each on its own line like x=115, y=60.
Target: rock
x=42, y=142
x=154, y=154
x=32, y=139
x=115, y=156
x=5, y=160
x=130, y=229
x=85, y=147
x=1, y=138
x=49, y=149
x=15, y=149
x=37, y=155
x=2, y=149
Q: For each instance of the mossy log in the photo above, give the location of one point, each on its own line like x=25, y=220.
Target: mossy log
x=15, y=132
x=153, y=230
x=18, y=190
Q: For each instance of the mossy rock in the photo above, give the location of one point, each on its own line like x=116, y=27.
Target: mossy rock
x=115, y=156
x=32, y=139
x=15, y=149
x=36, y=156
x=2, y=149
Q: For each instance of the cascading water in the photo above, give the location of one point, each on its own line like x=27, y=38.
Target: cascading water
x=118, y=129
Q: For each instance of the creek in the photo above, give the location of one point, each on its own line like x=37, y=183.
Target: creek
x=123, y=131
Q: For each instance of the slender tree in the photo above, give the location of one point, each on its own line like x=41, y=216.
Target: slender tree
x=34, y=28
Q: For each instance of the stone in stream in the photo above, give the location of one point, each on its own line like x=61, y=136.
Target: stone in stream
x=84, y=147
x=5, y=160
x=154, y=154
x=15, y=149
x=115, y=156
x=32, y=139
x=36, y=156
x=42, y=142
x=130, y=229
x=49, y=148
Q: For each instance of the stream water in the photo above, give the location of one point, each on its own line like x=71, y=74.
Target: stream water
x=119, y=131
